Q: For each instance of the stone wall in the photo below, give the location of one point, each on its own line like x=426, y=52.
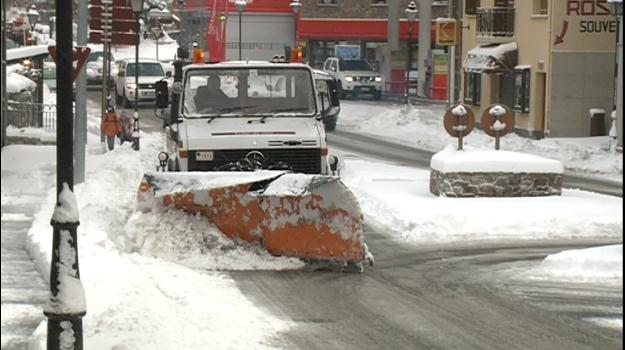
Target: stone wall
x=495, y=184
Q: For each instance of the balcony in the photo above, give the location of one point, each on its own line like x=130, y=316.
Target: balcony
x=495, y=23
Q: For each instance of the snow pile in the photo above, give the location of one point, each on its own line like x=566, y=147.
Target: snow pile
x=399, y=199
x=17, y=83
x=470, y=160
x=136, y=301
x=592, y=265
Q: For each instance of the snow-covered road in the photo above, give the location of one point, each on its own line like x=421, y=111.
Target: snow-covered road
x=145, y=288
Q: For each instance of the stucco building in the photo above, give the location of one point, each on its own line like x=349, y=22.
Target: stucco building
x=552, y=61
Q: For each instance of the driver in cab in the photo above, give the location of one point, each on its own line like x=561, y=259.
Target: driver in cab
x=210, y=97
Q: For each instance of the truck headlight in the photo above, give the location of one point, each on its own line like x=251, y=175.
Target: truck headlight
x=131, y=86
x=349, y=79
x=378, y=79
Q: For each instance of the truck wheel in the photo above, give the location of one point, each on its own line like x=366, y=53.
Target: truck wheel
x=377, y=95
x=118, y=98
x=127, y=102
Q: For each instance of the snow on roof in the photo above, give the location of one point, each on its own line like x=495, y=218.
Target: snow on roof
x=474, y=160
x=489, y=57
x=26, y=51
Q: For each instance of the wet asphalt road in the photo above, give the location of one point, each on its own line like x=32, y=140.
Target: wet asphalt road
x=435, y=298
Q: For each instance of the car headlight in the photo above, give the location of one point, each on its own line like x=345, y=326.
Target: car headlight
x=131, y=86
x=378, y=79
x=350, y=79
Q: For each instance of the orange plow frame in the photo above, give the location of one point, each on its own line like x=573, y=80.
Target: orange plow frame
x=313, y=217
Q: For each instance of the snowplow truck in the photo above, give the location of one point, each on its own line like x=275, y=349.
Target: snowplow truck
x=247, y=149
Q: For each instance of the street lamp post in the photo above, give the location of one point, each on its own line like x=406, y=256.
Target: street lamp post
x=137, y=7
x=411, y=14
x=240, y=8
x=296, y=7
x=617, y=8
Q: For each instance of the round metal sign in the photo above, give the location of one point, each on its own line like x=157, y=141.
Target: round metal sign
x=459, y=118
x=497, y=117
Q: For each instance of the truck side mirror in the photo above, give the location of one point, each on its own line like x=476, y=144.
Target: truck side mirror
x=162, y=94
x=334, y=93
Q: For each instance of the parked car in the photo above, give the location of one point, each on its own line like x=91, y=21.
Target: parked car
x=94, y=67
x=49, y=74
x=355, y=76
x=150, y=71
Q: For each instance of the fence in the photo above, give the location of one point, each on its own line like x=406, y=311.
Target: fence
x=33, y=115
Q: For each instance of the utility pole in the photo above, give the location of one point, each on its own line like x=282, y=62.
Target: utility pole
x=455, y=53
x=80, y=137
x=4, y=73
x=425, y=25
x=66, y=304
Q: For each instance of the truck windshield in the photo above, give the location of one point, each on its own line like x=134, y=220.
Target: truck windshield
x=235, y=92
x=354, y=65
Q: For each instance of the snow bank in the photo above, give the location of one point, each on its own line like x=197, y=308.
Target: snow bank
x=592, y=265
x=135, y=300
x=399, y=198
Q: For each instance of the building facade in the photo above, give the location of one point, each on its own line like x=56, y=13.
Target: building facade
x=269, y=27
x=551, y=61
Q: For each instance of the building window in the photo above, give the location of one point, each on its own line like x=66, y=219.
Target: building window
x=327, y=2
x=504, y=3
x=378, y=2
x=541, y=7
x=472, y=88
x=521, y=90
x=470, y=6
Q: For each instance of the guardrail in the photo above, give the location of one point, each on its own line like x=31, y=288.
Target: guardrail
x=33, y=115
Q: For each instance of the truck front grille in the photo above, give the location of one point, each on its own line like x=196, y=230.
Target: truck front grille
x=301, y=160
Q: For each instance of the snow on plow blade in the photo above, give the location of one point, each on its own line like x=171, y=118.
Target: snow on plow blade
x=313, y=217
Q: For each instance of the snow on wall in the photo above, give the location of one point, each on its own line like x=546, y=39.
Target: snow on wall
x=451, y=160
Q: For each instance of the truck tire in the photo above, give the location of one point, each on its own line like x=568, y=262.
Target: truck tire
x=377, y=95
x=118, y=98
x=127, y=102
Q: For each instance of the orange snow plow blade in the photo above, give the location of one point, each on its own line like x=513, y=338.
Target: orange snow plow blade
x=313, y=217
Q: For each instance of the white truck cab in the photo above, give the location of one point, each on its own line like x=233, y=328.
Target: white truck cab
x=245, y=116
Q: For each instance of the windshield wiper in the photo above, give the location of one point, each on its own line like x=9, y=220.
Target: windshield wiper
x=232, y=109
x=283, y=110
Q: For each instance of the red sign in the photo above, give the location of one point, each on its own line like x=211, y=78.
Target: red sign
x=116, y=38
x=80, y=56
x=118, y=13
x=116, y=3
x=118, y=26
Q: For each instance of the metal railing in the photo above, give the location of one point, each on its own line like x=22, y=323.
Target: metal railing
x=33, y=115
x=495, y=22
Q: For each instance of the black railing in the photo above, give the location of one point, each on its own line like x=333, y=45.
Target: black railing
x=31, y=115
x=495, y=22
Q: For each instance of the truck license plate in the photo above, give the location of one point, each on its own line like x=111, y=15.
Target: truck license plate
x=204, y=155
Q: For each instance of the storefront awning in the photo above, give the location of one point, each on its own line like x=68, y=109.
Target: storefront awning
x=493, y=58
